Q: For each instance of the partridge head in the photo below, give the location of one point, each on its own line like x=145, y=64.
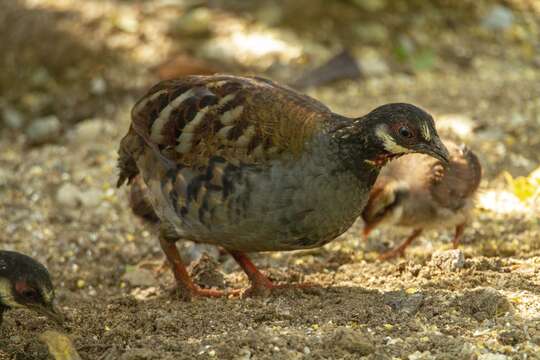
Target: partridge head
x=418, y=192
x=250, y=165
x=25, y=283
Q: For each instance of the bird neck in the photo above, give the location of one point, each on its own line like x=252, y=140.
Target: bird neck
x=357, y=147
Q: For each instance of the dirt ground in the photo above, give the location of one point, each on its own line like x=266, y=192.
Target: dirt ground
x=85, y=63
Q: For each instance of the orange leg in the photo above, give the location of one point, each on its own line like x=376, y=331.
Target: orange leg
x=400, y=249
x=261, y=285
x=184, y=284
x=459, y=233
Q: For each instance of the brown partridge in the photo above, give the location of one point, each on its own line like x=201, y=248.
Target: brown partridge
x=419, y=192
x=249, y=165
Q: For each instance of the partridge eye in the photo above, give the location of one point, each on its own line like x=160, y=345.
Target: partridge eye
x=405, y=132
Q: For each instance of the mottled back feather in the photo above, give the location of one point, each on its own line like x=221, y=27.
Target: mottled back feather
x=243, y=120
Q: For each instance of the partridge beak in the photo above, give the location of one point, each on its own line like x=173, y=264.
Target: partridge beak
x=49, y=311
x=436, y=149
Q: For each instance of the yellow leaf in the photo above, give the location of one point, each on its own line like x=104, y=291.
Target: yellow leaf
x=60, y=346
x=522, y=187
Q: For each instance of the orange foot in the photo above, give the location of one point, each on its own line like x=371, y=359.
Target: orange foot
x=195, y=291
x=261, y=285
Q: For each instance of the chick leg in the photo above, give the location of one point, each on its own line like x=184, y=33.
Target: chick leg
x=457, y=237
x=185, y=285
x=400, y=249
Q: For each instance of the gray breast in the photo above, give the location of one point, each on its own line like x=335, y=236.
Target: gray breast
x=287, y=204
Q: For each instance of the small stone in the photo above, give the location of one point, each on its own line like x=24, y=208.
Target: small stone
x=43, y=130
x=60, y=345
x=371, y=62
x=511, y=337
x=402, y=302
x=89, y=130
x=417, y=355
x=139, y=277
x=127, y=21
x=498, y=18
x=467, y=350
x=493, y=356
x=243, y=354
x=69, y=195
x=449, y=260
x=351, y=341
x=98, y=86
x=13, y=119
x=91, y=198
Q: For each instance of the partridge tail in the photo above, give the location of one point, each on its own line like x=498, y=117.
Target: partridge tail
x=131, y=147
x=139, y=201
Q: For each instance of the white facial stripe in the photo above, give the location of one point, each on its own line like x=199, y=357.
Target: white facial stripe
x=425, y=131
x=6, y=294
x=388, y=141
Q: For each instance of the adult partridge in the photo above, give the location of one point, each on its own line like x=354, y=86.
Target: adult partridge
x=250, y=165
x=420, y=192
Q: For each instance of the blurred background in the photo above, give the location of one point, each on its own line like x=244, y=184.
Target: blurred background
x=70, y=70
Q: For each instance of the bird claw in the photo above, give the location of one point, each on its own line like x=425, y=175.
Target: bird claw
x=196, y=292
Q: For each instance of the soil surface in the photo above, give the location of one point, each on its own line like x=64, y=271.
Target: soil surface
x=78, y=67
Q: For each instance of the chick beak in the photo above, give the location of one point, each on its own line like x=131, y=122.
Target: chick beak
x=50, y=311
x=436, y=149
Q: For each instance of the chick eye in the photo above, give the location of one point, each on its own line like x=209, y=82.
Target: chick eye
x=30, y=294
x=405, y=132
